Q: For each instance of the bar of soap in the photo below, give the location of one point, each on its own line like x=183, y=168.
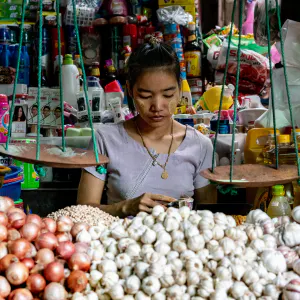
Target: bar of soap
x=73, y=132
x=86, y=132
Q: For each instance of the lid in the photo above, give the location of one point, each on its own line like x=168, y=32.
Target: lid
x=68, y=59
x=18, y=201
x=284, y=139
x=77, y=56
x=278, y=190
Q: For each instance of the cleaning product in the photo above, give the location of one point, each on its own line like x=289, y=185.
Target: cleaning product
x=31, y=177
x=113, y=90
x=279, y=205
x=4, y=117
x=70, y=80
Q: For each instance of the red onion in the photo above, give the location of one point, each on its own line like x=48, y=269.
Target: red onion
x=6, y=261
x=3, y=249
x=49, y=224
x=65, y=250
x=28, y=262
x=79, y=261
x=44, y=256
x=3, y=233
x=64, y=224
x=36, y=283
x=30, y=231
x=4, y=287
x=16, y=220
x=20, y=294
x=33, y=218
x=78, y=227
x=54, y=272
x=55, y=291
x=6, y=203
x=16, y=273
x=13, y=234
x=46, y=240
x=77, y=281
x=32, y=252
x=20, y=248
x=63, y=237
x=81, y=247
x=3, y=218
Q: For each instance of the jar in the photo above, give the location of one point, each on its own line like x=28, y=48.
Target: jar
x=19, y=204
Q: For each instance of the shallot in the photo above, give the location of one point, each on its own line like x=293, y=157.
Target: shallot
x=28, y=262
x=3, y=233
x=36, y=283
x=20, y=294
x=55, y=291
x=46, y=240
x=77, y=281
x=81, y=247
x=77, y=227
x=63, y=237
x=49, y=224
x=6, y=203
x=54, y=272
x=30, y=231
x=79, y=261
x=13, y=234
x=4, y=287
x=20, y=248
x=16, y=219
x=7, y=260
x=33, y=218
x=17, y=273
x=64, y=224
x=3, y=218
x=65, y=250
x=44, y=256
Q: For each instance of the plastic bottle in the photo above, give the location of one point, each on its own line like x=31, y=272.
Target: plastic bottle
x=24, y=67
x=4, y=118
x=279, y=205
x=56, y=70
x=95, y=70
x=70, y=80
x=237, y=159
x=130, y=35
x=5, y=56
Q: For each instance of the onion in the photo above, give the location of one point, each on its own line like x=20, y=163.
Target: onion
x=55, y=291
x=6, y=203
x=32, y=252
x=46, y=240
x=78, y=227
x=81, y=247
x=54, y=272
x=17, y=273
x=30, y=231
x=63, y=237
x=3, y=249
x=3, y=218
x=49, y=224
x=16, y=220
x=64, y=224
x=20, y=248
x=4, y=287
x=77, y=281
x=3, y=233
x=65, y=250
x=20, y=294
x=6, y=261
x=28, y=262
x=44, y=256
x=36, y=283
x=13, y=234
x=33, y=218
x=79, y=261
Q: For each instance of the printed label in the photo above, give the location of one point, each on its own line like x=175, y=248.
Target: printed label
x=275, y=203
x=193, y=63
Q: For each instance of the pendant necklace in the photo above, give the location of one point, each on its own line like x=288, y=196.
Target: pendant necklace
x=164, y=174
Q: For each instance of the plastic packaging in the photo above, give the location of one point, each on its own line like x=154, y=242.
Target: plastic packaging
x=186, y=97
x=116, y=108
x=173, y=14
x=4, y=118
x=279, y=205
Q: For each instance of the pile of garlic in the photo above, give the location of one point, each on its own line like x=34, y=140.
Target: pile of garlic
x=182, y=254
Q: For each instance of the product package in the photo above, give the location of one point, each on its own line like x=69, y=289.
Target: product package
x=82, y=109
x=19, y=124
x=56, y=112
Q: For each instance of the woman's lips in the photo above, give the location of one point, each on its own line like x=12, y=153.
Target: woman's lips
x=157, y=118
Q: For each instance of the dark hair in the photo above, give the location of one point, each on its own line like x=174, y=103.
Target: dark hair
x=34, y=106
x=16, y=114
x=46, y=107
x=57, y=109
x=149, y=56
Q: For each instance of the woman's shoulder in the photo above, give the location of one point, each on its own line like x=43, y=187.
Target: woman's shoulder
x=110, y=132
x=197, y=138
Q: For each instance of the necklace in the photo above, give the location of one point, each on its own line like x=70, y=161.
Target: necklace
x=164, y=174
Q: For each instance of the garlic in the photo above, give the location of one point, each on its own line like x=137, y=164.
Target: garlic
x=108, y=256
x=223, y=284
x=164, y=237
x=167, y=281
x=225, y=262
x=132, y=285
x=274, y=261
x=133, y=251
x=212, y=245
x=91, y=296
x=174, y=292
x=116, y=292
x=203, y=255
x=206, y=223
x=122, y=260
x=233, y=233
x=78, y=296
x=250, y=277
x=113, y=248
x=179, y=246
x=151, y=257
x=256, y=216
x=192, y=231
x=184, y=212
x=161, y=217
x=141, y=269
x=192, y=290
x=157, y=210
x=231, y=221
x=238, y=289
x=128, y=297
x=119, y=232
x=173, y=212
x=107, y=266
x=206, y=288
x=176, y=264
x=268, y=226
x=218, y=295
x=261, y=270
x=150, y=285
x=196, y=243
x=292, y=290
x=217, y=254
x=257, y=289
x=177, y=235
x=238, y=271
x=218, y=232
x=205, y=214
x=96, y=254
x=124, y=243
x=149, y=236
x=95, y=277
x=221, y=219
x=109, y=279
x=95, y=231
x=149, y=221
x=142, y=215
x=141, y=296
x=207, y=235
x=106, y=242
x=180, y=278
x=223, y=273
x=272, y=291
x=227, y=244
x=171, y=224
x=125, y=272
x=192, y=278
x=289, y=254
x=249, y=255
x=156, y=270
x=187, y=254
x=296, y=266
x=158, y=227
x=270, y=241
x=84, y=237
x=172, y=255
x=258, y=245
x=254, y=232
x=212, y=265
x=290, y=235
x=158, y=296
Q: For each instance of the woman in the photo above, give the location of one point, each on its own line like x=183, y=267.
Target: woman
x=19, y=115
x=152, y=157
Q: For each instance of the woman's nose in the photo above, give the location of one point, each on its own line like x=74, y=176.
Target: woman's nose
x=157, y=104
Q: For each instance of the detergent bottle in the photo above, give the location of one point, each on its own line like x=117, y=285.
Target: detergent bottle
x=4, y=117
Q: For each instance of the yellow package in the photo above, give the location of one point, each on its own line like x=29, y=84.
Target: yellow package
x=175, y=2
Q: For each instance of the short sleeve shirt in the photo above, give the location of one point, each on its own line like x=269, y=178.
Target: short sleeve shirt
x=131, y=171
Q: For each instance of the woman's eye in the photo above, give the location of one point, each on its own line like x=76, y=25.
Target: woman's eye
x=168, y=96
x=144, y=97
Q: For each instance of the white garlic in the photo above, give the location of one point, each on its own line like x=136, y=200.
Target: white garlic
x=238, y=271
x=162, y=248
x=124, y=243
x=296, y=266
x=274, y=261
x=164, y=237
x=218, y=295
x=223, y=273
x=91, y=296
x=238, y=289
x=207, y=235
x=184, y=212
x=167, y=280
x=192, y=290
x=289, y=254
x=149, y=221
x=142, y=215
x=109, y=279
x=218, y=232
x=256, y=216
x=95, y=277
x=257, y=289
x=122, y=260
x=158, y=227
x=196, y=243
x=179, y=246
x=161, y=217
x=180, y=278
x=177, y=235
x=190, y=232
x=227, y=244
x=254, y=232
x=258, y=245
x=83, y=236
x=261, y=270
x=206, y=223
x=221, y=219
x=113, y=249
x=187, y=254
x=172, y=255
x=212, y=265
x=217, y=254
x=133, y=251
x=225, y=262
x=272, y=291
x=174, y=292
x=177, y=264
x=119, y=232
x=132, y=284
x=125, y=272
x=106, y=242
x=128, y=297
x=142, y=296
x=171, y=224
x=192, y=278
x=223, y=284
x=292, y=290
x=290, y=235
x=231, y=221
x=116, y=292
x=233, y=233
x=95, y=231
x=249, y=255
x=107, y=266
x=194, y=265
x=155, y=270
x=205, y=214
x=250, y=277
x=206, y=288
x=204, y=256
x=150, y=285
x=151, y=257
x=158, y=296
x=157, y=210
x=141, y=269
x=78, y=296
x=149, y=236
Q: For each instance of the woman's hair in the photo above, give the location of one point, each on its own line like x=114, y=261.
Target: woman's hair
x=46, y=107
x=16, y=114
x=149, y=56
x=58, y=109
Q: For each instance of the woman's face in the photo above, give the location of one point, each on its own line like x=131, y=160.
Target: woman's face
x=57, y=114
x=46, y=112
x=34, y=111
x=20, y=113
x=156, y=94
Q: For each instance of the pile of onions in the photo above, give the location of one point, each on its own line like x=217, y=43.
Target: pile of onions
x=4, y=287
x=79, y=261
x=7, y=260
x=64, y=224
x=20, y=248
x=46, y=240
x=54, y=272
x=34, y=219
x=17, y=273
x=20, y=294
x=36, y=283
x=77, y=281
x=30, y=231
x=49, y=224
x=6, y=203
x=65, y=250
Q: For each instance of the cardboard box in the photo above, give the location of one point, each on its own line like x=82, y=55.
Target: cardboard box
x=19, y=124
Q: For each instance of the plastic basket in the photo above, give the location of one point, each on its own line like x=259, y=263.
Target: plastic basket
x=15, y=172
x=12, y=190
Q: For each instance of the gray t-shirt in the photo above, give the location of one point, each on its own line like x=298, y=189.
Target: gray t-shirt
x=131, y=172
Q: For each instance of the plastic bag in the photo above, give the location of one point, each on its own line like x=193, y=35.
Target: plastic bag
x=174, y=14
x=281, y=101
x=260, y=25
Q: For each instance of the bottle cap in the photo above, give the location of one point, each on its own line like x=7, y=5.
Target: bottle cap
x=284, y=139
x=3, y=98
x=278, y=190
x=68, y=60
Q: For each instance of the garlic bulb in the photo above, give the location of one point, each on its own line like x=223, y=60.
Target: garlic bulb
x=207, y=235
x=238, y=271
x=133, y=250
x=142, y=296
x=177, y=235
x=119, y=232
x=117, y=292
x=292, y=290
x=290, y=235
x=249, y=255
x=218, y=232
x=192, y=278
x=196, y=243
x=231, y=221
x=157, y=227
x=180, y=278
x=258, y=245
x=95, y=277
x=296, y=266
x=212, y=265
x=206, y=223
x=174, y=292
x=156, y=270
x=274, y=261
x=272, y=291
x=268, y=226
x=205, y=214
x=149, y=221
x=223, y=273
x=171, y=224
x=270, y=241
x=257, y=289
x=125, y=272
x=206, y=288
x=227, y=244
x=158, y=296
x=254, y=232
x=167, y=281
x=83, y=236
x=256, y=216
x=149, y=236
x=164, y=237
x=221, y=219
x=179, y=246
x=250, y=277
x=157, y=210
x=238, y=289
x=218, y=295
x=132, y=284
x=194, y=265
x=142, y=215
x=107, y=266
x=289, y=254
x=122, y=260
x=185, y=212
x=203, y=255
x=150, y=285
x=109, y=279
x=141, y=269
x=194, y=219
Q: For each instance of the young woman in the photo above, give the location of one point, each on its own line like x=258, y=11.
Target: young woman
x=152, y=157
x=19, y=115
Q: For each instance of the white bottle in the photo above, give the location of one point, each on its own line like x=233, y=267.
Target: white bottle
x=70, y=81
x=237, y=159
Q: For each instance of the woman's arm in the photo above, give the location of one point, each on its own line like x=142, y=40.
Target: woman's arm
x=207, y=194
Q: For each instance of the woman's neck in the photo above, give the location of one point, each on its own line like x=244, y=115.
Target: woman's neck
x=152, y=132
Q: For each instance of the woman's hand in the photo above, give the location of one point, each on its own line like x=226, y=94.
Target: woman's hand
x=145, y=203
